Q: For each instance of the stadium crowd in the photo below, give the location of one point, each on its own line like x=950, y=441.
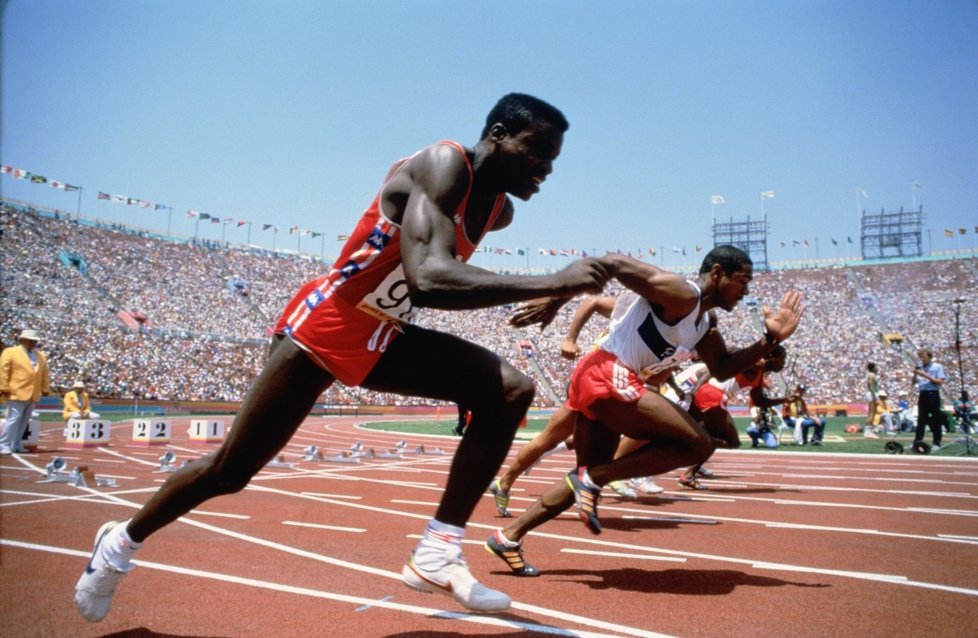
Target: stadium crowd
x=203, y=312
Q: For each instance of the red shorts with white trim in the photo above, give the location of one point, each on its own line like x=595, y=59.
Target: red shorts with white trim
x=708, y=396
x=341, y=338
x=600, y=375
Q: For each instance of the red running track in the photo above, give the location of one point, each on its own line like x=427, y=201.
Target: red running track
x=783, y=544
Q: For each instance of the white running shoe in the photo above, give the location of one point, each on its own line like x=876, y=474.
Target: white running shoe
x=95, y=588
x=647, y=486
x=454, y=579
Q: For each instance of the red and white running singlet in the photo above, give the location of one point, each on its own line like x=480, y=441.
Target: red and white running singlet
x=346, y=319
x=637, y=340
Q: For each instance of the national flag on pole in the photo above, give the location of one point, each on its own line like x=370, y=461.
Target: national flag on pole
x=119, y=199
x=192, y=213
x=56, y=184
x=102, y=195
x=241, y=223
x=215, y=219
x=717, y=199
x=783, y=244
x=69, y=187
x=520, y=252
x=293, y=229
x=863, y=193
x=265, y=226
x=6, y=169
x=849, y=239
x=132, y=200
x=228, y=220
x=767, y=194
x=315, y=235
x=805, y=243
x=917, y=185
x=834, y=243
x=795, y=242
x=948, y=232
x=651, y=252
x=205, y=216
x=20, y=173
x=698, y=248
x=160, y=207
x=144, y=204
x=962, y=231
x=38, y=179
x=342, y=237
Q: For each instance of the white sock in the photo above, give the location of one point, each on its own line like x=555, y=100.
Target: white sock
x=561, y=447
x=118, y=548
x=505, y=541
x=438, y=538
x=586, y=479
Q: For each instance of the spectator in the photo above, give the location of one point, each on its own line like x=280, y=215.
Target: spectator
x=796, y=416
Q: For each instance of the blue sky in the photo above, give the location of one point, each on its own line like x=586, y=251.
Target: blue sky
x=290, y=113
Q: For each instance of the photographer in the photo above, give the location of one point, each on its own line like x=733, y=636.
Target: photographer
x=929, y=377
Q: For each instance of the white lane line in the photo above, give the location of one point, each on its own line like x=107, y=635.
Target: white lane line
x=334, y=528
x=323, y=495
x=430, y=612
x=240, y=517
x=587, y=552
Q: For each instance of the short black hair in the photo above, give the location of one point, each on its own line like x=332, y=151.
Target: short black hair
x=519, y=111
x=730, y=258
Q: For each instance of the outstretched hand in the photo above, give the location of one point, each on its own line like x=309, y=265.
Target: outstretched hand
x=539, y=311
x=783, y=323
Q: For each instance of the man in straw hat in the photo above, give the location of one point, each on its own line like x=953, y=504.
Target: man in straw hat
x=23, y=379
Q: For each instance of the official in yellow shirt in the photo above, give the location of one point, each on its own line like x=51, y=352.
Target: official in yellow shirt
x=23, y=380
x=77, y=403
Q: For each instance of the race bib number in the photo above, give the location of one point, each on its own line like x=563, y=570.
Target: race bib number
x=390, y=301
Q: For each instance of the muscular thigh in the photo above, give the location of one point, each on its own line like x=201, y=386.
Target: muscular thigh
x=651, y=418
x=431, y=364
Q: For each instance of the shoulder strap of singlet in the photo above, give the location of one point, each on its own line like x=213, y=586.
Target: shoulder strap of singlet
x=497, y=206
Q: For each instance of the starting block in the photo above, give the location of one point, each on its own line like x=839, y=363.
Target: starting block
x=81, y=476
x=151, y=431
x=168, y=463
x=342, y=457
x=82, y=433
x=312, y=453
x=402, y=448
x=392, y=454
x=279, y=461
x=206, y=431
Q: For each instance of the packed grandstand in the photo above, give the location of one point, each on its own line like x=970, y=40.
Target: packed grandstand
x=135, y=314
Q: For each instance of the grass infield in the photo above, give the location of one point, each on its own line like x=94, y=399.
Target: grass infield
x=836, y=438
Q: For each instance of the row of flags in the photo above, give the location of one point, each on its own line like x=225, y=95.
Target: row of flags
x=34, y=178
x=961, y=231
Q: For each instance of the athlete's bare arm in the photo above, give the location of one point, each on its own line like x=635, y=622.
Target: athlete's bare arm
x=725, y=363
x=668, y=293
x=603, y=306
x=426, y=193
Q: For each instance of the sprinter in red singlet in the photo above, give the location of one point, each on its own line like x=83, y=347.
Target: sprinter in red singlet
x=354, y=324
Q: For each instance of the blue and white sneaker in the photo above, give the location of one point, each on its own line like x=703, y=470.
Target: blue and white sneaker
x=95, y=588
